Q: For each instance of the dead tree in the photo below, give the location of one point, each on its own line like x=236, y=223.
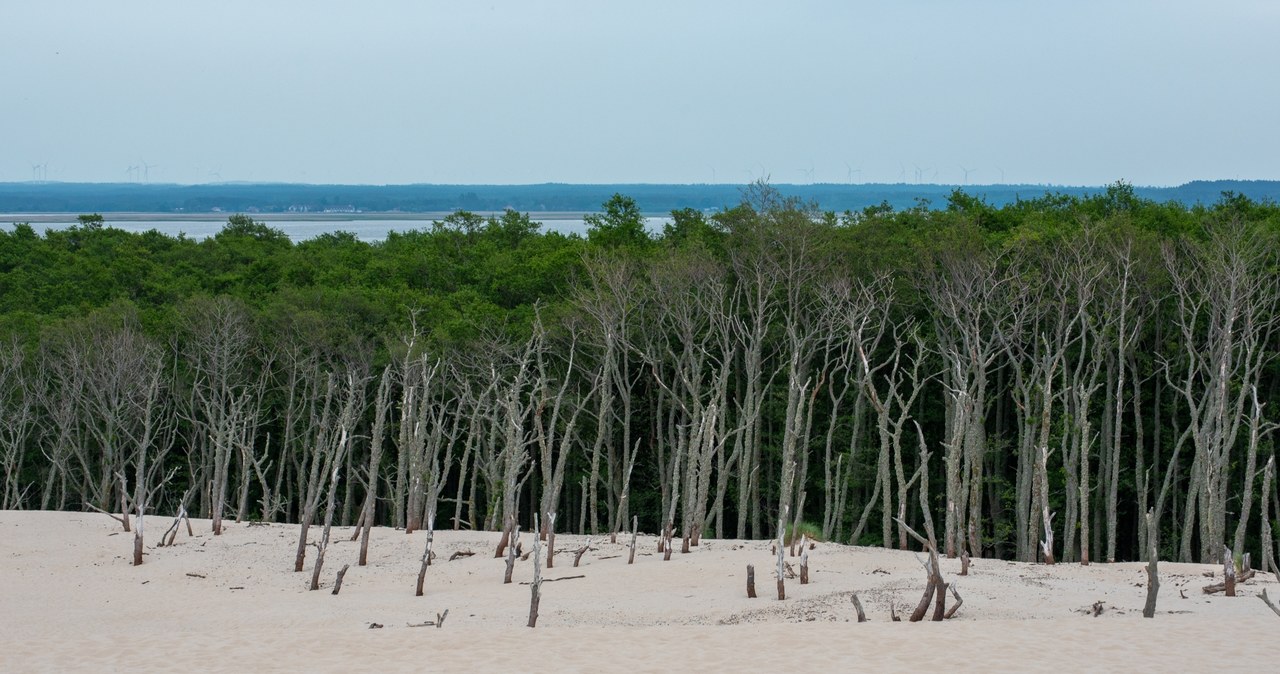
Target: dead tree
x=17, y=420
x=1268, y=541
x=1153, y=574
x=535, y=588
x=352, y=410
x=610, y=297
x=426, y=555
x=857, y=606
x=511, y=554
x=1226, y=295
x=151, y=437
x=375, y=461
x=331, y=426
x=1228, y=572
x=631, y=555
x=967, y=292
x=781, y=570
x=337, y=580
x=224, y=396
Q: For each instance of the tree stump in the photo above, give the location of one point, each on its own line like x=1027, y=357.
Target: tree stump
x=631, y=556
x=1228, y=572
x=804, y=567
x=751, y=581
x=857, y=606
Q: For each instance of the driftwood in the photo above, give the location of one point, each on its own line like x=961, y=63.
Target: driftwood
x=460, y=553
x=437, y=623
x=1220, y=587
x=893, y=613
x=1267, y=601
x=857, y=606
x=804, y=567
x=337, y=582
x=552, y=580
x=751, y=581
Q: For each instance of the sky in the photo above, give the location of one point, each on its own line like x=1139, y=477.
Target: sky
x=526, y=91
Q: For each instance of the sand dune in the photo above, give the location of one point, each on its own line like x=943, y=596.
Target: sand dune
x=69, y=599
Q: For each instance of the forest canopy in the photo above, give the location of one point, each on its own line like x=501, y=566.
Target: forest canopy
x=1034, y=376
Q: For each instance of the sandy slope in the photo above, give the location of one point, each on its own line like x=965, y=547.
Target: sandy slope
x=70, y=600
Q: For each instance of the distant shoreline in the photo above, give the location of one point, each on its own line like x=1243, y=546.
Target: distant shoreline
x=109, y=216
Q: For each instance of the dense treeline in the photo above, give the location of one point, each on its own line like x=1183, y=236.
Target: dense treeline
x=1040, y=374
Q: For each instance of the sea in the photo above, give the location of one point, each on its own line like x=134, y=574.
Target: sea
x=296, y=228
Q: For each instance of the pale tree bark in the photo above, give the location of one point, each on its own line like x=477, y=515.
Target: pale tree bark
x=967, y=294
x=1226, y=295
x=377, y=435
x=216, y=344
x=610, y=297
x=331, y=427
x=17, y=421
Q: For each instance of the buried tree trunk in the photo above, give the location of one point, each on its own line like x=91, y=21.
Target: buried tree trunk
x=782, y=590
x=940, y=604
x=631, y=556
x=511, y=554
x=923, y=607
x=1153, y=574
x=1228, y=572
x=551, y=541
x=426, y=554
x=857, y=606
x=535, y=588
x=506, y=538
x=577, y=556
x=751, y=581
x=337, y=582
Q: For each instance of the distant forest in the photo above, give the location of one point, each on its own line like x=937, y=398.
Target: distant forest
x=1036, y=376
x=36, y=197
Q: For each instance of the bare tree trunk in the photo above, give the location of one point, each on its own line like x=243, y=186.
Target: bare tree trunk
x=535, y=588
x=426, y=555
x=1153, y=574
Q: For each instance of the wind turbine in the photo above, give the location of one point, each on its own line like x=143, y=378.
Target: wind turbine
x=807, y=173
x=146, y=171
x=967, y=171
x=849, y=171
x=1001, y=174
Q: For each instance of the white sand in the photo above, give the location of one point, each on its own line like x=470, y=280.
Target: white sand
x=69, y=599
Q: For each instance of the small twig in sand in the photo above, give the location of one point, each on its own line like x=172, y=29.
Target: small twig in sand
x=552, y=580
x=195, y=575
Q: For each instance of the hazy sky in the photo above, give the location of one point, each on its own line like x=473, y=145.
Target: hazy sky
x=521, y=91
